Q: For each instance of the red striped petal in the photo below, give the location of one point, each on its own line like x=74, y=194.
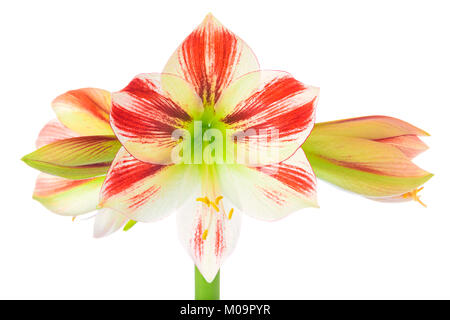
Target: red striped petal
x=145, y=114
x=208, y=250
x=271, y=192
x=85, y=111
x=52, y=132
x=67, y=197
x=143, y=191
x=274, y=111
x=210, y=58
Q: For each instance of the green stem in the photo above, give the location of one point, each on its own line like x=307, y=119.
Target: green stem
x=205, y=290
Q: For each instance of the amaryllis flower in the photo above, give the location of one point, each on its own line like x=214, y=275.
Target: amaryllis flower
x=211, y=99
x=370, y=155
x=212, y=137
x=74, y=153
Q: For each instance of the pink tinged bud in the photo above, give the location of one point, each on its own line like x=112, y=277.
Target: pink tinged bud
x=369, y=155
x=410, y=145
x=370, y=127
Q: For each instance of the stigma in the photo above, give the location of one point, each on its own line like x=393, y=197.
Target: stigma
x=413, y=195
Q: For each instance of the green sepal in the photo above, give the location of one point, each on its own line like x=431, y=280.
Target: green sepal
x=75, y=158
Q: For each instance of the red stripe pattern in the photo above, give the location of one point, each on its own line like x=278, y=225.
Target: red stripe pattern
x=126, y=174
x=144, y=191
x=269, y=113
x=210, y=58
x=143, y=113
x=48, y=185
x=277, y=105
x=273, y=191
x=95, y=101
x=142, y=110
x=295, y=177
x=208, y=236
x=197, y=242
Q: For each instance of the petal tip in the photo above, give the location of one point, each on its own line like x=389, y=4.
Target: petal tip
x=99, y=234
x=315, y=89
x=209, y=275
x=29, y=161
x=209, y=18
x=429, y=176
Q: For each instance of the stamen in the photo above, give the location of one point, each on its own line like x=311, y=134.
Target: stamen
x=205, y=200
x=215, y=206
x=218, y=199
x=73, y=218
x=414, y=196
x=230, y=214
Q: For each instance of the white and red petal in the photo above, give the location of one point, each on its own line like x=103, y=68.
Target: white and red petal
x=271, y=112
x=67, y=197
x=85, y=111
x=146, y=113
x=144, y=191
x=208, y=250
x=270, y=192
x=108, y=221
x=52, y=132
x=210, y=58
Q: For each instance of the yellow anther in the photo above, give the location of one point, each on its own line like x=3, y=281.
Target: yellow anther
x=414, y=196
x=205, y=234
x=218, y=199
x=73, y=218
x=215, y=206
x=230, y=214
x=205, y=200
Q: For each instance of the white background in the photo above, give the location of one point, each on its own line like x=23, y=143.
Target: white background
x=377, y=57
